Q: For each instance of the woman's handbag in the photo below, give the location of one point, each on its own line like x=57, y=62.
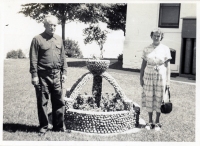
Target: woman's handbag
x=166, y=107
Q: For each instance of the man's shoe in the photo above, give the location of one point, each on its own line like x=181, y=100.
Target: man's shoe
x=50, y=127
x=62, y=130
x=66, y=130
x=41, y=133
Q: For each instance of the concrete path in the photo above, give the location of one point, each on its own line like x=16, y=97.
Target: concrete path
x=81, y=63
x=173, y=79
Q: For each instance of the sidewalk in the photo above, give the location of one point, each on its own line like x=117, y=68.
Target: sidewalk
x=173, y=79
x=183, y=80
x=116, y=66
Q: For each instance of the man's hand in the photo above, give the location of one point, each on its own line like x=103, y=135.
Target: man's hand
x=64, y=77
x=35, y=81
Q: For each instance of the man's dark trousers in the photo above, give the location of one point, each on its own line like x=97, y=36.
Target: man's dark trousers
x=50, y=87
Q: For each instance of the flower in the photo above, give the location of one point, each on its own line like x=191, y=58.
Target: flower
x=109, y=103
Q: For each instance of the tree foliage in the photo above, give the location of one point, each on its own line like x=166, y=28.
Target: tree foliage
x=117, y=17
x=15, y=54
x=72, y=49
x=94, y=33
x=114, y=14
x=66, y=12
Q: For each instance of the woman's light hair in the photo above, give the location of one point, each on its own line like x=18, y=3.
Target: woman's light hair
x=158, y=30
x=50, y=18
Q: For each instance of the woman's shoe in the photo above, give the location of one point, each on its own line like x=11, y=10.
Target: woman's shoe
x=149, y=126
x=158, y=126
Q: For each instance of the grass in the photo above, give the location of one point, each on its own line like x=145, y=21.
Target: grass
x=20, y=113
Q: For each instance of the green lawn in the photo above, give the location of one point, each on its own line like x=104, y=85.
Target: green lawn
x=20, y=113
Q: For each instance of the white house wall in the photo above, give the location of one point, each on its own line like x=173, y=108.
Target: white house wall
x=141, y=19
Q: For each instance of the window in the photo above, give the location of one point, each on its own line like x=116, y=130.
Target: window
x=169, y=15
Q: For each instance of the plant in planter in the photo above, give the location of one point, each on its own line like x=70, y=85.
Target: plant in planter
x=116, y=103
x=108, y=103
x=85, y=102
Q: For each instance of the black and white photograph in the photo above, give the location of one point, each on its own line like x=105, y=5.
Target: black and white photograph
x=99, y=72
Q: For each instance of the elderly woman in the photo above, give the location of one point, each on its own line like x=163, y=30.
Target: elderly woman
x=154, y=77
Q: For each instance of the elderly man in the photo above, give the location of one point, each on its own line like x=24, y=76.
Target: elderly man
x=48, y=68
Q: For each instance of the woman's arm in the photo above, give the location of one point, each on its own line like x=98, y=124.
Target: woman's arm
x=168, y=73
x=144, y=63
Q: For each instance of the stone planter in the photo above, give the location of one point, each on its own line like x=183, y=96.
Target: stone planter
x=97, y=67
x=100, y=122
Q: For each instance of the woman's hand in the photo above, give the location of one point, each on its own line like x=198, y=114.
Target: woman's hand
x=167, y=84
x=144, y=63
x=168, y=74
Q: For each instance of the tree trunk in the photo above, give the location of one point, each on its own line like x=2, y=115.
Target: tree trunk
x=101, y=49
x=63, y=30
x=124, y=29
x=97, y=86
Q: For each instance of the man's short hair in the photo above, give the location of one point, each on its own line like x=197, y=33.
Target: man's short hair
x=50, y=18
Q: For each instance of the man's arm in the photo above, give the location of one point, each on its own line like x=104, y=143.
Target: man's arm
x=33, y=55
x=63, y=61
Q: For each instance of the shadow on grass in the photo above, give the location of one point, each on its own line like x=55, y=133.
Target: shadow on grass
x=13, y=127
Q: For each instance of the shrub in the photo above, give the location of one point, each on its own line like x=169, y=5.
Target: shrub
x=109, y=103
x=21, y=54
x=120, y=57
x=72, y=49
x=15, y=54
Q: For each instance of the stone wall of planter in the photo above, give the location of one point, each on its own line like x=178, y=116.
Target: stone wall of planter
x=99, y=122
